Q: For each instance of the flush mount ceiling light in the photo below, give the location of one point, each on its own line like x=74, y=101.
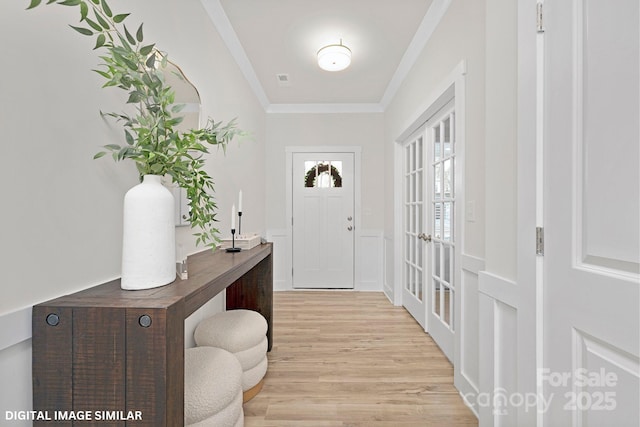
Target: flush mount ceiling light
x=334, y=57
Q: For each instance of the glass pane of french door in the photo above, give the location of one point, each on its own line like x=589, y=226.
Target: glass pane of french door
x=442, y=202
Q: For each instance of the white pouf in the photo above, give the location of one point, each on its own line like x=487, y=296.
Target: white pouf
x=252, y=356
x=243, y=333
x=252, y=376
x=212, y=388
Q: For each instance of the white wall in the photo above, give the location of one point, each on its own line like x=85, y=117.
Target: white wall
x=62, y=210
x=501, y=137
x=365, y=130
x=200, y=52
x=460, y=36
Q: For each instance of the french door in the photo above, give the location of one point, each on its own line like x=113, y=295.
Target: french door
x=591, y=374
x=323, y=220
x=414, y=221
x=441, y=285
x=429, y=203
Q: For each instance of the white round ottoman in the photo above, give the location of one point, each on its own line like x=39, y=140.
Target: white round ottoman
x=243, y=333
x=212, y=388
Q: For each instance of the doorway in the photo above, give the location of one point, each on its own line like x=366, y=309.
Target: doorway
x=323, y=220
x=429, y=235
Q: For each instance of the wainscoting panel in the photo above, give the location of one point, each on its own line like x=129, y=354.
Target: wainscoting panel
x=498, y=351
x=388, y=283
x=505, y=364
x=369, y=268
x=369, y=263
x=15, y=327
x=466, y=362
x=281, y=259
x=15, y=363
x=469, y=331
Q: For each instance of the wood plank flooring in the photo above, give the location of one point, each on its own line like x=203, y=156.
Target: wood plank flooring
x=352, y=359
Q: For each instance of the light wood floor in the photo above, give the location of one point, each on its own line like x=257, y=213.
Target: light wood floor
x=353, y=359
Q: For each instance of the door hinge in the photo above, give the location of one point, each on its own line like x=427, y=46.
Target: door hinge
x=539, y=241
x=539, y=21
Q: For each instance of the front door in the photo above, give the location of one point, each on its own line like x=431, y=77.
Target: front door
x=323, y=220
x=591, y=213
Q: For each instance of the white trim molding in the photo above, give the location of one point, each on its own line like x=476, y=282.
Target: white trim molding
x=370, y=262
x=498, y=350
x=498, y=288
x=530, y=128
x=15, y=327
x=281, y=259
x=225, y=29
x=466, y=373
x=323, y=108
x=387, y=262
x=428, y=25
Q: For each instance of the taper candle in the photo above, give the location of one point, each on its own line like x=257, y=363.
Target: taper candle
x=233, y=216
x=240, y=201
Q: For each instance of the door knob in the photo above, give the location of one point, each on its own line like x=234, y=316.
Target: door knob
x=349, y=218
x=425, y=237
x=349, y=228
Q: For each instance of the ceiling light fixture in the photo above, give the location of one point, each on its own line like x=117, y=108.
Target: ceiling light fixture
x=334, y=57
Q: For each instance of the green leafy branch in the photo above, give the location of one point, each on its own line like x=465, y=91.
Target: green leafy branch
x=151, y=138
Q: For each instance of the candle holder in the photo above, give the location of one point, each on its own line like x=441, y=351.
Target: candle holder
x=233, y=242
x=239, y=224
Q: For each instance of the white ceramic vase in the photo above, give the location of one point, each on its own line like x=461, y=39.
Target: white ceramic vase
x=148, y=241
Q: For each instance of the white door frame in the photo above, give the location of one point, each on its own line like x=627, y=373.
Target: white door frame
x=452, y=86
x=357, y=192
x=529, y=207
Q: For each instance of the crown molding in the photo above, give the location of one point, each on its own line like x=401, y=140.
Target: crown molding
x=323, y=108
x=227, y=33
x=424, y=32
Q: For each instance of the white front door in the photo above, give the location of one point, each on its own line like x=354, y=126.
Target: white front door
x=440, y=229
x=414, y=262
x=323, y=220
x=591, y=213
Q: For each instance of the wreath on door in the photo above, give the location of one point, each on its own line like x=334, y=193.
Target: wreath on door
x=319, y=169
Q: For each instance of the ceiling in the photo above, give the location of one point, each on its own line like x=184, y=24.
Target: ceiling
x=273, y=37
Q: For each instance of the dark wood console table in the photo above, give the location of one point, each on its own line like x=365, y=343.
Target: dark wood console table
x=104, y=352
